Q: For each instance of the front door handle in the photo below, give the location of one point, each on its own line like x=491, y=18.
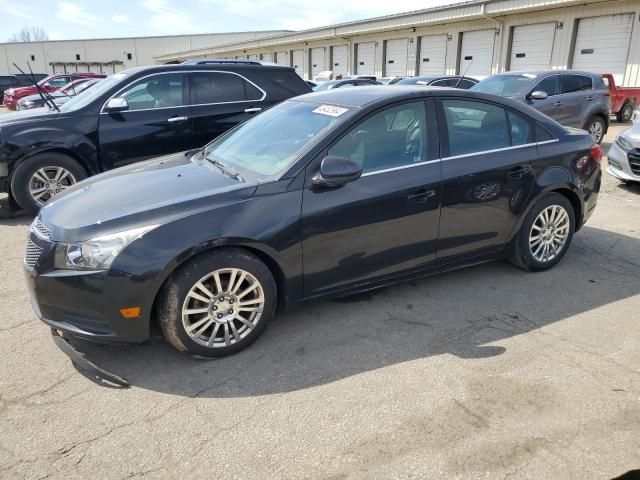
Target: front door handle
x=518, y=173
x=557, y=104
x=252, y=110
x=177, y=119
x=589, y=98
x=421, y=196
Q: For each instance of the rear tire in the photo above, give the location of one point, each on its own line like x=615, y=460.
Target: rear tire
x=42, y=177
x=218, y=303
x=548, y=227
x=625, y=113
x=596, y=128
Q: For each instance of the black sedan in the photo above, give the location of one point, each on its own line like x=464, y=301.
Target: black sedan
x=323, y=195
x=456, y=81
x=345, y=83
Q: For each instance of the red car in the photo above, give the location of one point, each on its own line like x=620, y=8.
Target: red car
x=49, y=84
x=623, y=99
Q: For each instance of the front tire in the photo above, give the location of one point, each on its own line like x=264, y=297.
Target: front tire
x=42, y=177
x=596, y=128
x=218, y=303
x=545, y=234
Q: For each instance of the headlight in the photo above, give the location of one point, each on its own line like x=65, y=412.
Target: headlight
x=10, y=92
x=97, y=253
x=624, y=144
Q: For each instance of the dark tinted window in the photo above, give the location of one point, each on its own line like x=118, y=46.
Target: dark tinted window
x=7, y=81
x=521, y=131
x=217, y=87
x=475, y=126
x=280, y=84
x=549, y=85
x=466, y=84
x=392, y=138
x=158, y=91
x=542, y=134
x=576, y=83
x=446, y=82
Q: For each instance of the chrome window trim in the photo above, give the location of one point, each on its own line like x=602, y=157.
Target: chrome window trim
x=403, y=167
x=444, y=159
x=186, y=72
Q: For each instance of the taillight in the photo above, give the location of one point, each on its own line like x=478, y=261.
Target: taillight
x=596, y=153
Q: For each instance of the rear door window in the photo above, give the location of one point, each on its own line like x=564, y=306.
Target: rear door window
x=521, y=129
x=475, y=126
x=549, y=85
x=221, y=87
x=576, y=83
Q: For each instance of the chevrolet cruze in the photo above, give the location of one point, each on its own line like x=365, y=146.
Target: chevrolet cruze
x=326, y=194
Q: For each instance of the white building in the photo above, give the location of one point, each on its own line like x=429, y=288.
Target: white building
x=481, y=37
x=108, y=55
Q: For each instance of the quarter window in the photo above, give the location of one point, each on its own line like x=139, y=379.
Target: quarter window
x=159, y=91
x=576, y=83
x=548, y=85
x=217, y=87
x=521, y=131
x=475, y=126
x=395, y=137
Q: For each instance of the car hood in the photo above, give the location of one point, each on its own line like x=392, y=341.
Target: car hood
x=20, y=91
x=43, y=113
x=146, y=193
x=633, y=135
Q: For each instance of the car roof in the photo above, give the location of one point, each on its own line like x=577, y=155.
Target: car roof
x=203, y=66
x=537, y=73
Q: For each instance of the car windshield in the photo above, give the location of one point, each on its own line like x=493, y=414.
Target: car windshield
x=268, y=144
x=505, y=85
x=325, y=85
x=82, y=101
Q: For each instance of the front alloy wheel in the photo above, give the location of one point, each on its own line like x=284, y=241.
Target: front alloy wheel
x=217, y=303
x=47, y=182
x=596, y=129
x=223, y=307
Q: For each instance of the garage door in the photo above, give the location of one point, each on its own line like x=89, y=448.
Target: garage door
x=317, y=61
x=298, y=61
x=365, y=58
x=531, y=46
x=396, y=57
x=477, y=53
x=340, y=60
x=433, y=55
x=602, y=44
x=282, y=58
x=252, y=57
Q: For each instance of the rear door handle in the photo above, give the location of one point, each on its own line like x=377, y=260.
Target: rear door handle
x=177, y=119
x=252, y=110
x=589, y=98
x=557, y=104
x=421, y=196
x=518, y=173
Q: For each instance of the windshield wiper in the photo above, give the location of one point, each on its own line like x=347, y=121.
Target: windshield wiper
x=225, y=169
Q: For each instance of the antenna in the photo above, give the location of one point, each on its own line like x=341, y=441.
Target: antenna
x=465, y=72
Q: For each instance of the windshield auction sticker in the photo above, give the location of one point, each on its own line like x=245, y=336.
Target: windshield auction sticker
x=330, y=110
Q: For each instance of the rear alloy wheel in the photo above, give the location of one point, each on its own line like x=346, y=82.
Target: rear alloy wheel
x=596, y=127
x=545, y=234
x=42, y=177
x=217, y=304
x=625, y=114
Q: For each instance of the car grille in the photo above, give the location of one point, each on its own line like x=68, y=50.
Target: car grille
x=33, y=254
x=41, y=229
x=634, y=161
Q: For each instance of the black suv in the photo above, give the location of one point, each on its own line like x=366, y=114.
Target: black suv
x=131, y=116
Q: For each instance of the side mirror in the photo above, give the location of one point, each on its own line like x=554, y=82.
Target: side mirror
x=538, y=95
x=336, y=171
x=117, y=105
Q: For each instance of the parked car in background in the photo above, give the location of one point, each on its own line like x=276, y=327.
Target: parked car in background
x=323, y=195
x=131, y=116
x=60, y=96
x=15, y=81
x=390, y=80
x=440, y=81
x=624, y=156
x=48, y=84
x=623, y=99
x=572, y=98
x=311, y=84
x=349, y=82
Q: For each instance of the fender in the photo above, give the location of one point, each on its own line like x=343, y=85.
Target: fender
x=551, y=180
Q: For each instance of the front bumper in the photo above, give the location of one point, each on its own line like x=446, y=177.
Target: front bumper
x=86, y=304
x=620, y=165
x=9, y=102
